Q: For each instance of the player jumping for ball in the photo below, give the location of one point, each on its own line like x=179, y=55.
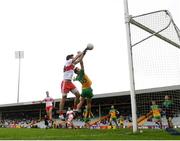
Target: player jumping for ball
x=67, y=85
x=87, y=91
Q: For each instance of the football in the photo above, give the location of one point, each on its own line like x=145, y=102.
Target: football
x=90, y=46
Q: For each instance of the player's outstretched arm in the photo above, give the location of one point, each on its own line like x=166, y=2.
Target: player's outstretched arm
x=82, y=64
x=78, y=57
x=80, y=54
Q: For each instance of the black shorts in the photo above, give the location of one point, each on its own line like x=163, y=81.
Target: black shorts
x=169, y=113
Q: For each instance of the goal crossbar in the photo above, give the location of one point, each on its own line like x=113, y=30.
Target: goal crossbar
x=156, y=33
x=132, y=21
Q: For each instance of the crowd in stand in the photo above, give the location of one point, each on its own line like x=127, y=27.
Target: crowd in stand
x=18, y=123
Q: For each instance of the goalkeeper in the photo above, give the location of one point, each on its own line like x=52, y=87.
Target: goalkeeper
x=168, y=107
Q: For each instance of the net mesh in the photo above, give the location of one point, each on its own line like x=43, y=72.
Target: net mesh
x=159, y=22
x=156, y=62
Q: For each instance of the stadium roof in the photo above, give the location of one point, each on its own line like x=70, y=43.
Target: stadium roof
x=159, y=89
x=113, y=94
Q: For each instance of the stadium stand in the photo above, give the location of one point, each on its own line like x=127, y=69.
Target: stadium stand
x=30, y=114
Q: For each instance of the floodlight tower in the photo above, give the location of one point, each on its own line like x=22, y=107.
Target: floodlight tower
x=19, y=55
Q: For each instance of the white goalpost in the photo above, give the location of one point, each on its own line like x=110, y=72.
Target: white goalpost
x=153, y=42
x=131, y=71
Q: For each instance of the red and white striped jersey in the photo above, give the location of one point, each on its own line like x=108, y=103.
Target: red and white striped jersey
x=48, y=101
x=68, y=70
x=70, y=114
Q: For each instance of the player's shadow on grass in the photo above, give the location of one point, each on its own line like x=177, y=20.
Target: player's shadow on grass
x=172, y=131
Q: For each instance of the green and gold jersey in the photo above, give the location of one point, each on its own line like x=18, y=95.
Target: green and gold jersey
x=113, y=113
x=156, y=110
x=83, y=79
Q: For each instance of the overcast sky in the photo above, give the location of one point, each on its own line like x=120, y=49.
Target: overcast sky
x=49, y=30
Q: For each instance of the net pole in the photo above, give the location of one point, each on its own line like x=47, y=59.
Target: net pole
x=131, y=70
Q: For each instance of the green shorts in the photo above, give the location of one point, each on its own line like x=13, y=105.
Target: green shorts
x=86, y=120
x=113, y=118
x=157, y=117
x=87, y=93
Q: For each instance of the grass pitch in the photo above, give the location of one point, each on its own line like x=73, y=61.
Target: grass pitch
x=83, y=134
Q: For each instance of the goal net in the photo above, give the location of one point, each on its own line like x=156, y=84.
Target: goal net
x=155, y=42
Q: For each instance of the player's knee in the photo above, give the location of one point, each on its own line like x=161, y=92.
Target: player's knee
x=77, y=95
x=82, y=99
x=75, y=91
x=64, y=96
x=89, y=105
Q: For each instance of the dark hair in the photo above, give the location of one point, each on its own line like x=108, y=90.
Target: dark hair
x=75, y=70
x=69, y=56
